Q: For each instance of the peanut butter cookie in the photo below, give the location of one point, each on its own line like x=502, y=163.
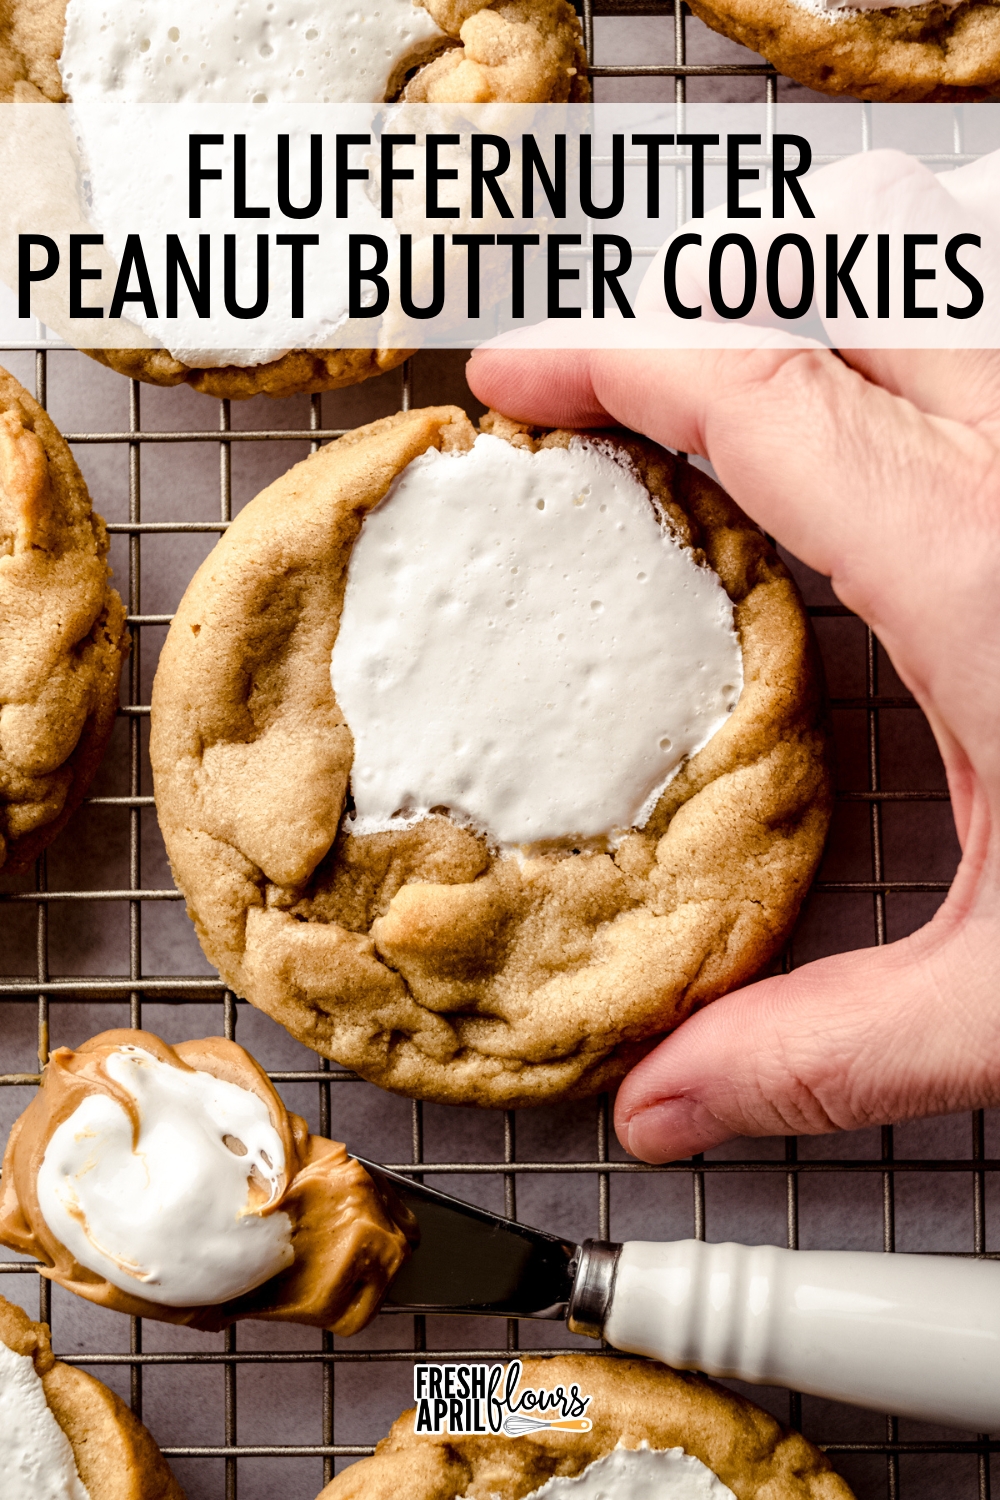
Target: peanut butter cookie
x=933, y=52
x=632, y=1403
x=68, y=1434
x=440, y=52
x=449, y=792
x=62, y=631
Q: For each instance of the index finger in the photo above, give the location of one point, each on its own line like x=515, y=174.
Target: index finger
x=854, y=480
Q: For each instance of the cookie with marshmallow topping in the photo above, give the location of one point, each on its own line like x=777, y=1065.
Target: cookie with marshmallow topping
x=290, y=52
x=656, y=1432
x=934, y=51
x=63, y=1434
x=172, y=1183
x=483, y=759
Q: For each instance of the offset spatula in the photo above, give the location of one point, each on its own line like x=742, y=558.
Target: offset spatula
x=915, y=1335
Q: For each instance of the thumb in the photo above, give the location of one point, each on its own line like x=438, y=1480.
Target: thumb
x=870, y=1037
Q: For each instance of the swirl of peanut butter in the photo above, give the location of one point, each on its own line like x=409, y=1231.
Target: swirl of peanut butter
x=347, y=1242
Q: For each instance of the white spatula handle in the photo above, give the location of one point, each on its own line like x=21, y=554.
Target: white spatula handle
x=910, y=1334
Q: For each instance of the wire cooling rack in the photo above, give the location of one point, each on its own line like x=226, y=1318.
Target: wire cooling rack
x=890, y=860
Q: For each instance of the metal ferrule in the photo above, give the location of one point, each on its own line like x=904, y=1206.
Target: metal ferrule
x=593, y=1287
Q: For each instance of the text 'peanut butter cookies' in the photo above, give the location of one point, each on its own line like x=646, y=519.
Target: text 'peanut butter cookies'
x=64, y=1433
x=731, y=1447
x=437, y=955
x=938, y=51
x=62, y=631
x=172, y=1183
x=285, y=52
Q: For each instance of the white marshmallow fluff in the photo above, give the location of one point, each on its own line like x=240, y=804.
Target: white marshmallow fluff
x=175, y=1217
x=228, y=52
x=639, y=1474
x=36, y=1460
x=834, y=8
x=524, y=643
x=240, y=51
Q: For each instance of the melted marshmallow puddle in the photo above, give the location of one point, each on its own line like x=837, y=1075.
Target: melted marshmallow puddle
x=176, y=1217
x=36, y=1460
x=639, y=1474
x=227, y=52
x=524, y=643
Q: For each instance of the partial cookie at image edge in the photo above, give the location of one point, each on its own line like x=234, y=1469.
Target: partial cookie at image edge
x=632, y=1401
x=116, y=1458
x=503, y=51
x=934, y=53
x=63, y=636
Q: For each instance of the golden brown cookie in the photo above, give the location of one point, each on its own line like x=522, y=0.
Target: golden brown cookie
x=425, y=959
x=632, y=1402
x=115, y=1456
x=507, y=51
x=62, y=631
x=346, y=1247
x=934, y=52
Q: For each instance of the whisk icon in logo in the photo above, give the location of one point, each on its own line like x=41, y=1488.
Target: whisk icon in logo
x=481, y=1398
x=517, y=1425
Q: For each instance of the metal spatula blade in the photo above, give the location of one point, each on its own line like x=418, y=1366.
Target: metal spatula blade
x=472, y=1261
x=918, y=1335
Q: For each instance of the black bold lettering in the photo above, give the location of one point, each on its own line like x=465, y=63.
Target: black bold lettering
x=838, y=276
x=240, y=208
x=616, y=203
x=604, y=276
x=435, y=174
x=951, y=260
x=133, y=260
x=346, y=174
x=555, y=274
x=233, y=307
x=285, y=204
x=652, y=144
x=200, y=289
x=197, y=174
x=775, y=303
x=735, y=174
x=391, y=174
x=297, y=243
x=789, y=176
x=722, y=244
x=677, y=307
x=473, y=243
x=553, y=187
x=882, y=246
x=356, y=274
x=517, y=243
x=697, y=144
x=912, y=273
x=482, y=175
x=78, y=275
x=25, y=275
x=406, y=301
x=423, y=1422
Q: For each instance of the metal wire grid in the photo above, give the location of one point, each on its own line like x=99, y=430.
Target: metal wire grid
x=137, y=987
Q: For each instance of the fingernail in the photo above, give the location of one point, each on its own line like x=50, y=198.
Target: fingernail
x=672, y=1129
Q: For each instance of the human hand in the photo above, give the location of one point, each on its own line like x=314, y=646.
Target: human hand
x=884, y=474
